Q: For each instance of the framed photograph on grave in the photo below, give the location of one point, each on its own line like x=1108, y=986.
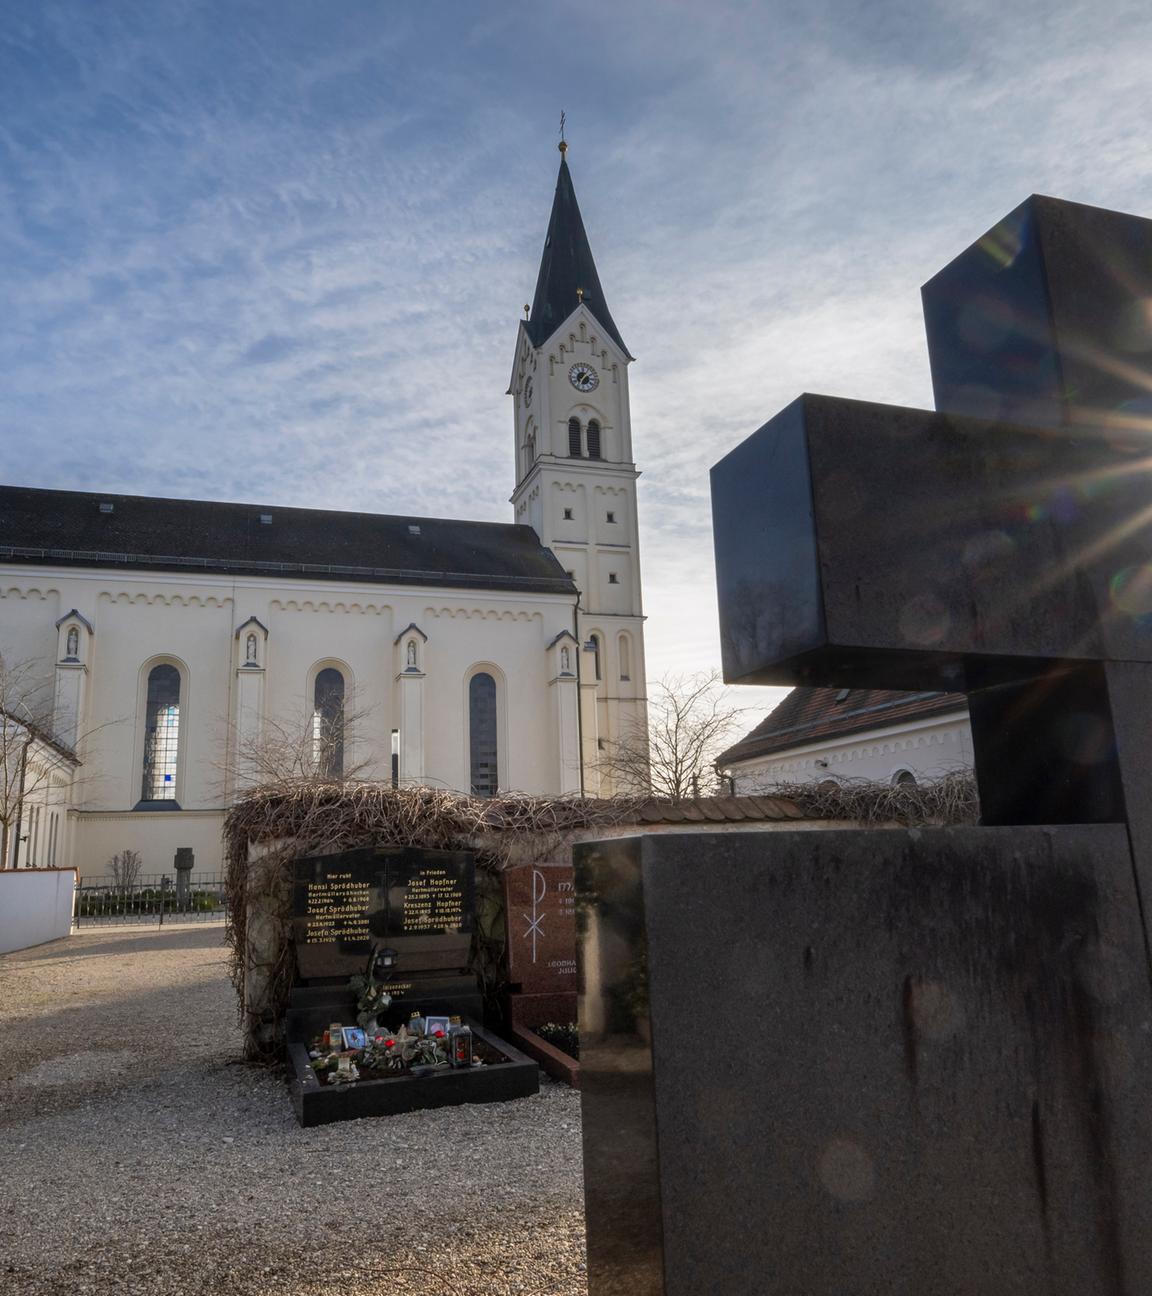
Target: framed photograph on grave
x=434, y=1024
x=354, y=1037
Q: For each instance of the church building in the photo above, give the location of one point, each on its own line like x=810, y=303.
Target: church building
x=183, y=650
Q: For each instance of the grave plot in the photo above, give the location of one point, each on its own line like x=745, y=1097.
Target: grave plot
x=383, y=1016
x=540, y=918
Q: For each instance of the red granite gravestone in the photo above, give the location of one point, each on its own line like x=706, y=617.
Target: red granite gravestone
x=540, y=924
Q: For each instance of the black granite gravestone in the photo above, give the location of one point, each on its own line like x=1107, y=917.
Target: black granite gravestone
x=419, y=903
x=912, y=1061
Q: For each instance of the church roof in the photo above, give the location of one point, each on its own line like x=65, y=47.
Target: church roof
x=809, y=715
x=76, y=528
x=566, y=265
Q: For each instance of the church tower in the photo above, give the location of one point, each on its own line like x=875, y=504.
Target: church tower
x=576, y=480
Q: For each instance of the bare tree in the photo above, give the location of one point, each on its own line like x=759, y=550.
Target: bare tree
x=290, y=752
x=33, y=755
x=29, y=755
x=690, y=721
x=125, y=866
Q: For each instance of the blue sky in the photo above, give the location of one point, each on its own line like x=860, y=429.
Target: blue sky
x=276, y=249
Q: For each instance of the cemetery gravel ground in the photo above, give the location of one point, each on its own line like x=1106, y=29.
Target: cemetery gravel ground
x=140, y=1154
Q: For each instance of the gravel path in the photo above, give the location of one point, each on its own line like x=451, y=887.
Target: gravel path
x=139, y=1155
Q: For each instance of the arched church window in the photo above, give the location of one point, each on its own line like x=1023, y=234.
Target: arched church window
x=574, y=438
x=161, y=734
x=625, y=657
x=597, y=654
x=328, y=723
x=593, y=439
x=482, y=735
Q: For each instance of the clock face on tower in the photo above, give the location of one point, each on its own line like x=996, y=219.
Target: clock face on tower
x=583, y=377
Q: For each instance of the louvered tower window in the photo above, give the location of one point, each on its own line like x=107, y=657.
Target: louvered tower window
x=593, y=439
x=574, y=438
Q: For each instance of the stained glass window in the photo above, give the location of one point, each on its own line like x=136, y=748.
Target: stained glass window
x=161, y=734
x=328, y=723
x=482, y=741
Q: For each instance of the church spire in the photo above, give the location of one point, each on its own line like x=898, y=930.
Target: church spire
x=567, y=271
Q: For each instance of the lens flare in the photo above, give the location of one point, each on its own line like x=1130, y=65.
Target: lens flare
x=1131, y=591
x=1003, y=244
x=925, y=620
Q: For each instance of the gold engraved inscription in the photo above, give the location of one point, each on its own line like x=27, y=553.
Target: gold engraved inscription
x=433, y=902
x=337, y=909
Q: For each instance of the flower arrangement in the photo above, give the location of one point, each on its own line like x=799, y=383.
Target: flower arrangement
x=563, y=1035
x=410, y=1049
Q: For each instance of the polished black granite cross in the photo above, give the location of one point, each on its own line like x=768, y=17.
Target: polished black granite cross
x=1000, y=547
x=913, y=1061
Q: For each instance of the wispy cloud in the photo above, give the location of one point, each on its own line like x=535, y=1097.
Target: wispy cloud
x=277, y=251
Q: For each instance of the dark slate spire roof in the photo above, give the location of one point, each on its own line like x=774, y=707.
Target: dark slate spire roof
x=566, y=265
x=81, y=529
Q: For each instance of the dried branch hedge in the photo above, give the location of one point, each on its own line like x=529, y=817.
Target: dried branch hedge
x=949, y=800
x=292, y=822
x=295, y=821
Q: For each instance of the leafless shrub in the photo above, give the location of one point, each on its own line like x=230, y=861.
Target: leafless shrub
x=125, y=866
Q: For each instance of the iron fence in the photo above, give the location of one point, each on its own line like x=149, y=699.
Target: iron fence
x=152, y=898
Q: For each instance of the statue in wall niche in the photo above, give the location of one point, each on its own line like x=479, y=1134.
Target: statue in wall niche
x=411, y=654
x=73, y=642
x=565, y=660
x=250, y=650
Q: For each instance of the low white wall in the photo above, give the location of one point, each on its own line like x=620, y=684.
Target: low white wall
x=35, y=906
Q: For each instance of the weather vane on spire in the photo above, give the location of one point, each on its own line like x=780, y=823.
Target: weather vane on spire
x=563, y=142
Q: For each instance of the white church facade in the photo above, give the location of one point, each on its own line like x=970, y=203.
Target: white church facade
x=187, y=650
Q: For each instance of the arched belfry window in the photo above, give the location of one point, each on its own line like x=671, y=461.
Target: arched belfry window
x=593, y=439
x=625, y=657
x=597, y=655
x=161, y=734
x=483, y=756
x=328, y=723
x=574, y=438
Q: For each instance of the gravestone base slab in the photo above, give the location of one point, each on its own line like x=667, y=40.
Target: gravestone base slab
x=314, y=1103
x=904, y=1061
